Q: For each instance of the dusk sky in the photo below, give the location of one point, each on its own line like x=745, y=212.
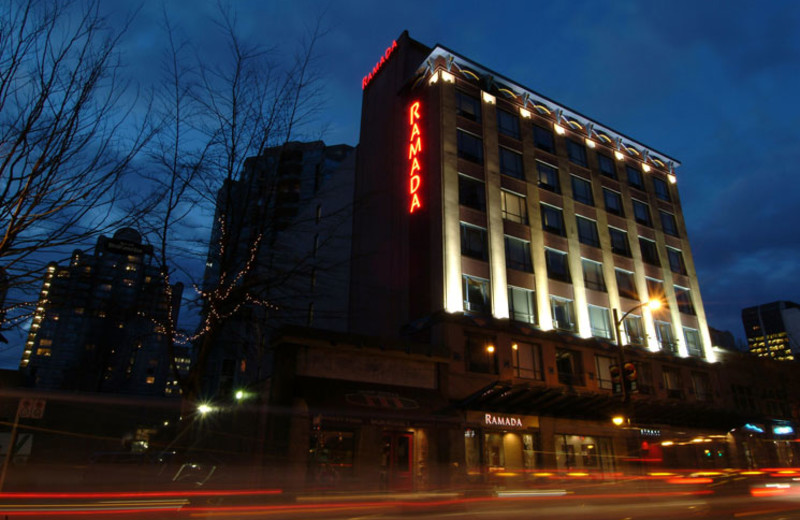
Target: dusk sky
x=713, y=84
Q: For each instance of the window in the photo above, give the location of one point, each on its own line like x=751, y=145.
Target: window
x=649, y=251
x=668, y=223
x=600, y=321
x=576, y=152
x=557, y=265
x=518, y=254
x=543, y=139
x=672, y=382
x=693, y=345
x=635, y=177
x=481, y=354
x=507, y=123
x=676, y=264
x=684, y=298
x=625, y=284
x=604, y=364
x=468, y=107
x=634, y=329
x=470, y=147
x=476, y=294
x=527, y=359
x=702, y=386
x=548, y=177
x=582, y=190
x=644, y=378
x=522, y=303
x=471, y=193
x=607, y=166
x=641, y=213
x=665, y=339
x=511, y=163
x=661, y=189
x=553, y=220
x=513, y=207
x=473, y=242
x=613, y=202
x=593, y=275
x=561, y=309
x=619, y=242
x=570, y=367
x=587, y=231
x=655, y=290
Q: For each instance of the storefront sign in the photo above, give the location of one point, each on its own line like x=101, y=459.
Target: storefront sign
x=782, y=430
x=387, y=53
x=414, y=149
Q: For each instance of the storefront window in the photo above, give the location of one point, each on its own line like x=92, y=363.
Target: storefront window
x=584, y=452
x=331, y=456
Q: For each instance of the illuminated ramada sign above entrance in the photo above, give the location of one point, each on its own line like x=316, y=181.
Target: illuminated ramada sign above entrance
x=414, y=149
x=502, y=420
x=389, y=50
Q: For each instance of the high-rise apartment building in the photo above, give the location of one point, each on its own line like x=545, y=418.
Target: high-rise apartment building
x=97, y=324
x=773, y=330
x=288, y=215
x=480, y=196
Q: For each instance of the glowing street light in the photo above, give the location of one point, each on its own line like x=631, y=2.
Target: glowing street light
x=204, y=409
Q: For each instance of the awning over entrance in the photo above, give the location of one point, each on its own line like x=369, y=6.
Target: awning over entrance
x=526, y=399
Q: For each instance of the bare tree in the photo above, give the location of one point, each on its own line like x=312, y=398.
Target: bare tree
x=217, y=116
x=66, y=132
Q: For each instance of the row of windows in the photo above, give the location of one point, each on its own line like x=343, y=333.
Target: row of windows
x=474, y=241
x=527, y=362
x=473, y=194
x=508, y=124
x=522, y=307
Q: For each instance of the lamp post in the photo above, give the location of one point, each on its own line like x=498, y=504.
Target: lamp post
x=654, y=304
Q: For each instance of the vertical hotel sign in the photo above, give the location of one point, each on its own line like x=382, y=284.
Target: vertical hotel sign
x=414, y=150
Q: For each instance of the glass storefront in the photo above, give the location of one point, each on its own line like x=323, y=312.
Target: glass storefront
x=584, y=452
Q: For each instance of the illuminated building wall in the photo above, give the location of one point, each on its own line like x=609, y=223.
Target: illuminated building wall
x=523, y=210
x=96, y=326
x=773, y=330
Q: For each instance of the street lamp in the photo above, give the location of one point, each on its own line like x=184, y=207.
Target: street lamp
x=654, y=304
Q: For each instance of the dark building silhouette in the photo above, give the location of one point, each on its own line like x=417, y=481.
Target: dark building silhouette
x=295, y=202
x=773, y=330
x=97, y=324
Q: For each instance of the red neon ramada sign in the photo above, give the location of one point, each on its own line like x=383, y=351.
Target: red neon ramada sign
x=389, y=50
x=414, y=149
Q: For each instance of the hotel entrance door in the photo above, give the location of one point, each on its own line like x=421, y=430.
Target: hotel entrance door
x=397, y=461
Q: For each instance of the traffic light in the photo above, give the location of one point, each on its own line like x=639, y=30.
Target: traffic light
x=630, y=377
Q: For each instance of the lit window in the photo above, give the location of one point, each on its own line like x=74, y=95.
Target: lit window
x=593, y=275
x=476, y=294
x=468, y=106
x=513, y=207
x=600, y=321
x=693, y=344
x=474, y=242
x=665, y=338
x=471, y=193
x=548, y=177
x=582, y=190
x=511, y=163
x=470, y=147
x=641, y=213
x=634, y=330
x=522, y=304
x=507, y=123
x=557, y=265
x=543, y=139
x=562, y=312
x=150, y=380
x=553, y=219
x=518, y=254
x=587, y=231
